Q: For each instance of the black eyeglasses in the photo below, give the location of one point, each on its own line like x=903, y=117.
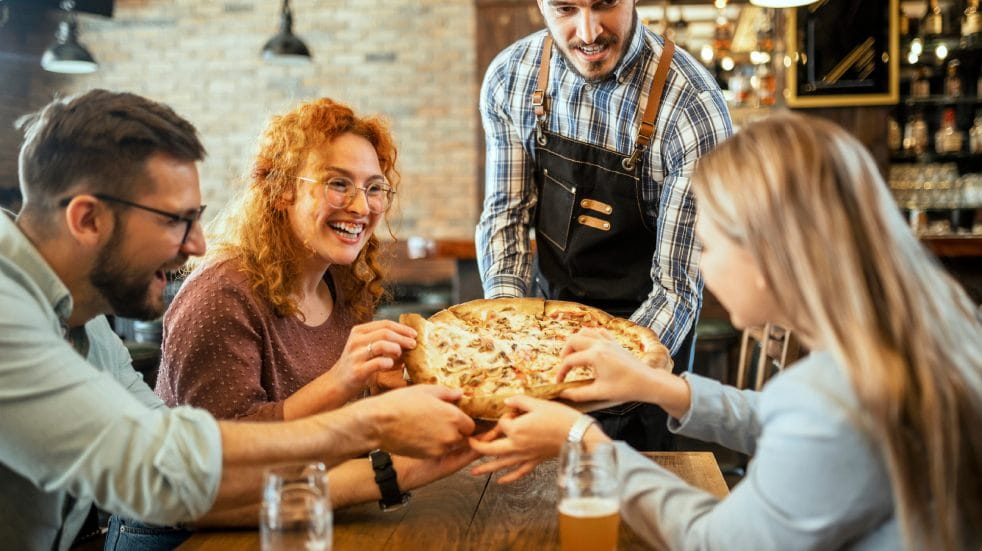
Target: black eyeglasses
x=188, y=220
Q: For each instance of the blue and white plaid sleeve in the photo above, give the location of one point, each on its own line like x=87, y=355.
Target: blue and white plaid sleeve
x=504, y=252
x=676, y=296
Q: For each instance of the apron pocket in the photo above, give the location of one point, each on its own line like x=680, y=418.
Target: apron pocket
x=555, y=210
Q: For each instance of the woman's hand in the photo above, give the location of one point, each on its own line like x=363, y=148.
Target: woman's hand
x=373, y=349
x=535, y=432
x=619, y=375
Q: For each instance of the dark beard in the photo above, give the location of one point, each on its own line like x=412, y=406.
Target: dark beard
x=125, y=291
x=603, y=40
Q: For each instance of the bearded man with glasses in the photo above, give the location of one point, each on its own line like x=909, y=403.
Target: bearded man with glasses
x=111, y=205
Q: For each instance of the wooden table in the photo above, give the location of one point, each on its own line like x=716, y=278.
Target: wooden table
x=468, y=512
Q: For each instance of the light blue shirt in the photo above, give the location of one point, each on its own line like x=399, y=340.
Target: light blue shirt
x=78, y=425
x=816, y=480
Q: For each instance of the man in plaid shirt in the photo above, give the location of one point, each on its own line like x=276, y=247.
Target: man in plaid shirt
x=593, y=148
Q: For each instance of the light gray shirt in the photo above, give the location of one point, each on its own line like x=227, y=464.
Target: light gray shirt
x=78, y=425
x=816, y=480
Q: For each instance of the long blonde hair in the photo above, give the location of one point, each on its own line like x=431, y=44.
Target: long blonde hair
x=806, y=199
x=254, y=229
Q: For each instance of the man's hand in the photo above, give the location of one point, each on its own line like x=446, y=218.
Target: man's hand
x=535, y=433
x=414, y=473
x=420, y=421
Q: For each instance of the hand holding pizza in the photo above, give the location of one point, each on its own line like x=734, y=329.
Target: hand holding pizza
x=534, y=432
x=619, y=375
x=372, y=348
x=420, y=421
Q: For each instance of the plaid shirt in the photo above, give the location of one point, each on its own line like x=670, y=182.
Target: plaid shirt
x=693, y=119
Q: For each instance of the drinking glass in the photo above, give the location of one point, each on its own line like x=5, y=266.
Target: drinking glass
x=296, y=510
x=589, y=501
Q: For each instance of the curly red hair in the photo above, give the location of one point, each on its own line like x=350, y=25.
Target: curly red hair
x=255, y=230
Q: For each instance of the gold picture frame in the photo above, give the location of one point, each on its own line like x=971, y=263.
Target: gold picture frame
x=864, y=48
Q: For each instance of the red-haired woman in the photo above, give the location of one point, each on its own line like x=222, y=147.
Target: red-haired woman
x=267, y=327
x=273, y=324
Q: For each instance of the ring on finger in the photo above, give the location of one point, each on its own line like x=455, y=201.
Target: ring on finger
x=371, y=353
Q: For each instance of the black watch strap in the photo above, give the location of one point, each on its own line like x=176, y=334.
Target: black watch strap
x=388, y=483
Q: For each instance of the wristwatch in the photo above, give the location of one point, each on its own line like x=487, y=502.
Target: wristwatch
x=579, y=429
x=388, y=484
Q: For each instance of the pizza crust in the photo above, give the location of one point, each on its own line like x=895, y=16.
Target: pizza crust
x=417, y=360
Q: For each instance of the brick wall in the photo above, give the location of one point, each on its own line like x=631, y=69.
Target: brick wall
x=24, y=86
x=410, y=60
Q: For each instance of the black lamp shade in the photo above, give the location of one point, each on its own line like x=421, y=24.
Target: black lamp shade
x=65, y=54
x=286, y=48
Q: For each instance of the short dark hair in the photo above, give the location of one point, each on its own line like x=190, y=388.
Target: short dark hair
x=99, y=141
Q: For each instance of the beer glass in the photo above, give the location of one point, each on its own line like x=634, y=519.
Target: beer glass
x=296, y=510
x=588, y=498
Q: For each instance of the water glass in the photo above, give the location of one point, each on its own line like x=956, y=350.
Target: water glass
x=589, y=498
x=296, y=510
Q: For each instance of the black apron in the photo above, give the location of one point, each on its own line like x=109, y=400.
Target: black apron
x=593, y=242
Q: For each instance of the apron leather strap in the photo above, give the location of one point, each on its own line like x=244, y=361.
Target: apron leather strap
x=539, y=95
x=646, y=130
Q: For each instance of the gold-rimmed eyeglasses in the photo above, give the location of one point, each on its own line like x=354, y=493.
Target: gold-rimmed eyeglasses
x=339, y=192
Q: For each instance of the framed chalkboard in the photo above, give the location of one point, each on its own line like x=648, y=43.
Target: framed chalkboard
x=843, y=52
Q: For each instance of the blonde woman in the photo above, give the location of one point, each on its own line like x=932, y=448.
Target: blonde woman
x=872, y=441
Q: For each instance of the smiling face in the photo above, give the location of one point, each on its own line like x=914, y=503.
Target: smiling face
x=336, y=235
x=130, y=269
x=592, y=35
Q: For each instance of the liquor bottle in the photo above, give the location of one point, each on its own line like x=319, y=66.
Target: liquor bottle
x=768, y=85
x=952, y=82
x=972, y=23
x=894, y=139
x=948, y=139
x=915, y=135
x=921, y=86
x=933, y=20
x=975, y=134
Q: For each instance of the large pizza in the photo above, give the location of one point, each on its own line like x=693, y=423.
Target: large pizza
x=493, y=349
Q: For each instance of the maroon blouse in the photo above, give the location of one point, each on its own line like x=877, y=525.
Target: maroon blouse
x=227, y=351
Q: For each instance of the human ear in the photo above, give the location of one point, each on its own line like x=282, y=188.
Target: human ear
x=88, y=221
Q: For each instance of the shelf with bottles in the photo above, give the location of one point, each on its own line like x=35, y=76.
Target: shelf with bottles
x=953, y=135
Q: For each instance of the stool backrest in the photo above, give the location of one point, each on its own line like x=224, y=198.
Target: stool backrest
x=777, y=348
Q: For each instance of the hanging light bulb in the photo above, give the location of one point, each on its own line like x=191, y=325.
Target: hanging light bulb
x=781, y=3
x=66, y=54
x=706, y=54
x=285, y=48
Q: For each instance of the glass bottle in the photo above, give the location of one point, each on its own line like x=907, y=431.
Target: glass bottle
x=952, y=82
x=768, y=85
x=894, y=139
x=915, y=135
x=975, y=134
x=933, y=20
x=921, y=86
x=948, y=139
x=971, y=22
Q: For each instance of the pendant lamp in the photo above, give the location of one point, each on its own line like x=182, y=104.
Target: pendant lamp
x=66, y=54
x=286, y=48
